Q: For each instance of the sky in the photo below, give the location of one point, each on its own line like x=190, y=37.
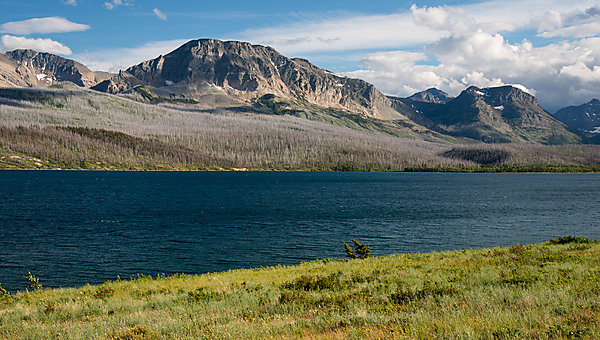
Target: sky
x=549, y=48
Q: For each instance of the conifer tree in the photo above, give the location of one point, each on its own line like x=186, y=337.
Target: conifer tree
x=360, y=251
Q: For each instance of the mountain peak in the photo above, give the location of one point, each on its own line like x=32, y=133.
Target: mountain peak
x=431, y=95
x=22, y=54
x=26, y=67
x=585, y=117
x=499, y=114
x=243, y=72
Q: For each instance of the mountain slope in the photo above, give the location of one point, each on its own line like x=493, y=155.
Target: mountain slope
x=28, y=68
x=584, y=117
x=419, y=102
x=253, y=78
x=237, y=71
x=500, y=114
x=76, y=128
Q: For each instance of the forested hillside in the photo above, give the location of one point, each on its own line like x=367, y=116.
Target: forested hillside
x=68, y=127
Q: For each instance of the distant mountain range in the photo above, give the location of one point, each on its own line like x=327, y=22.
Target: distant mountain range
x=493, y=115
x=234, y=74
x=584, y=117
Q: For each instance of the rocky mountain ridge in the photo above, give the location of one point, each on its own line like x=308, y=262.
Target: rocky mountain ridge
x=230, y=73
x=28, y=68
x=585, y=117
x=209, y=68
x=497, y=115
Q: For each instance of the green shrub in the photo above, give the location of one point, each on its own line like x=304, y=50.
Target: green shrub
x=34, y=282
x=361, y=251
x=3, y=291
x=518, y=249
x=201, y=295
x=50, y=307
x=103, y=292
x=135, y=333
x=571, y=239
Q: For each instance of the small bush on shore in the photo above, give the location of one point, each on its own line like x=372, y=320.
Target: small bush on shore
x=571, y=239
x=361, y=251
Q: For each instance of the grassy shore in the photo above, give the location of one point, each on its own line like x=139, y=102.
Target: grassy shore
x=549, y=290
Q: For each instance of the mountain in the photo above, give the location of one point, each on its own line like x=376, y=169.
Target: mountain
x=584, y=117
x=253, y=78
x=226, y=72
x=431, y=95
x=499, y=114
x=28, y=68
x=419, y=102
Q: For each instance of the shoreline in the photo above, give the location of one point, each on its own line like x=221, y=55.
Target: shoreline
x=525, y=169
x=544, y=290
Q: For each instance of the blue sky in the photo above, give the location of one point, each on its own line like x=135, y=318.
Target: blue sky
x=550, y=48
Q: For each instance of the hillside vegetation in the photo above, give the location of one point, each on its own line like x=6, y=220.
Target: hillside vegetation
x=66, y=127
x=543, y=291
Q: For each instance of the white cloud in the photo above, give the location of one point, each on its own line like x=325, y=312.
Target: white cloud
x=43, y=26
x=70, y=2
x=122, y=58
x=560, y=74
x=440, y=18
x=10, y=42
x=115, y=3
x=577, y=24
x=159, y=14
x=342, y=32
x=579, y=31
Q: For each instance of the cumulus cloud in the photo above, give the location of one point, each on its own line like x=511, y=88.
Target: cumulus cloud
x=115, y=3
x=159, y=14
x=10, y=42
x=560, y=74
x=70, y=2
x=121, y=58
x=339, y=31
x=42, y=25
x=441, y=18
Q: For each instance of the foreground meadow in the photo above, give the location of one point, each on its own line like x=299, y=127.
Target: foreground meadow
x=549, y=290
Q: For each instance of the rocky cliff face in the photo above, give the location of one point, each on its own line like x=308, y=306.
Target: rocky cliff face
x=500, y=114
x=28, y=68
x=584, y=117
x=246, y=71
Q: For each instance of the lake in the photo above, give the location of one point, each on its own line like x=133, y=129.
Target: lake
x=70, y=228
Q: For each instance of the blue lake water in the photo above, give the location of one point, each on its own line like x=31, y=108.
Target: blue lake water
x=70, y=228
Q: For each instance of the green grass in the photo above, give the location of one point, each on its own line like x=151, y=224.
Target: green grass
x=549, y=290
